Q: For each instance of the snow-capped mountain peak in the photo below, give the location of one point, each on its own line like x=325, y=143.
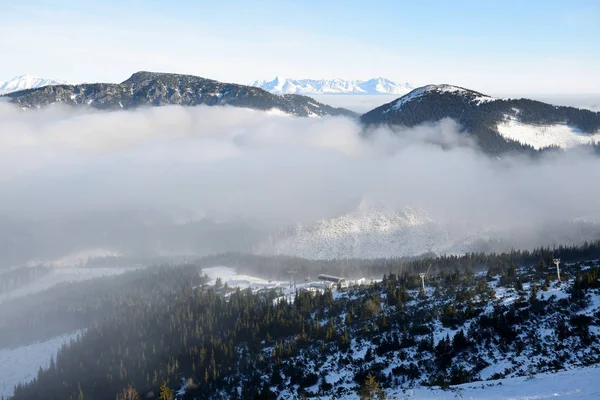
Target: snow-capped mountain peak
x=456, y=90
x=26, y=81
x=281, y=85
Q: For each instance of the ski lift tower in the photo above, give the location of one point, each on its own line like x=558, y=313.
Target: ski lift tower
x=292, y=273
x=557, y=262
x=422, y=275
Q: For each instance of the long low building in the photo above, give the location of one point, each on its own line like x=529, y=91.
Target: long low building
x=332, y=279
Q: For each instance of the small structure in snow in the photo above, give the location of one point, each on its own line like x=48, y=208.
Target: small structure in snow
x=332, y=280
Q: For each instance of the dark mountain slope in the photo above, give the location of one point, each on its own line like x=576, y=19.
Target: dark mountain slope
x=479, y=114
x=157, y=89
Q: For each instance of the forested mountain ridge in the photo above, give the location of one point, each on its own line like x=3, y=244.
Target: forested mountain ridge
x=498, y=125
x=156, y=89
x=511, y=319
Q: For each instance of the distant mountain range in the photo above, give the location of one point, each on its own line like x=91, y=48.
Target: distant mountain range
x=333, y=86
x=157, y=89
x=498, y=125
x=26, y=82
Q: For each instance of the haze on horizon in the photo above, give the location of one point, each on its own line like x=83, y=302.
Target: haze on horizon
x=494, y=47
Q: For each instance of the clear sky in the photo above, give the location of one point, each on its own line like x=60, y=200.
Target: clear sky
x=526, y=46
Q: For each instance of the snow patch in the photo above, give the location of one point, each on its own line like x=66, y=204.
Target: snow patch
x=579, y=383
x=21, y=364
x=540, y=136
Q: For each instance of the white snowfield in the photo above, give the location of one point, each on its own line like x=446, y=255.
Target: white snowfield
x=375, y=86
x=23, y=82
x=540, y=136
x=232, y=279
x=578, y=383
x=21, y=364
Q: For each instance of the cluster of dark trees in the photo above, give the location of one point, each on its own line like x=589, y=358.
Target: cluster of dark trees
x=71, y=306
x=163, y=326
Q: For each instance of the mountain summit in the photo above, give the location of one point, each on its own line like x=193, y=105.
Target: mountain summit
x=156, y=89
x=23, y=82
x=498, y=125
x=333, y=86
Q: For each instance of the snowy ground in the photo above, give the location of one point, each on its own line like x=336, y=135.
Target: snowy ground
x=540, y=136
x=60, y=275
x=234, y=280
x=229, y=276
x=579, y=383
x=22, y=363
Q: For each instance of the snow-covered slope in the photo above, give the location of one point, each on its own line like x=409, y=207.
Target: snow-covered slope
x=21, y=364
x=578, y=383
x=540, y=136
x=375, y=230
x=371, y=231
x=517, y=347
x=23, y=82
x=418, y=93
x=333, y=86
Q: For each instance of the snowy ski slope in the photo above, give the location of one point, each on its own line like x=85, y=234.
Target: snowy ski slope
x=21, y=364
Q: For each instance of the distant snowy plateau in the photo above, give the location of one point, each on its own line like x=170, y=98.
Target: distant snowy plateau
x=333, y=86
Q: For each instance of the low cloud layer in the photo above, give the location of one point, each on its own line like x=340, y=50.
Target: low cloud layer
x=228, y=163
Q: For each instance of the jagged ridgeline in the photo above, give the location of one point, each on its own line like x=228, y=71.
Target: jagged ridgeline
x=158, y=89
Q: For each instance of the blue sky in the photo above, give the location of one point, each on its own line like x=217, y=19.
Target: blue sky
x=492, y=46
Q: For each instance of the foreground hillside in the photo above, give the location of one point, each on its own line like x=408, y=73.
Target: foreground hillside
x=512, y=319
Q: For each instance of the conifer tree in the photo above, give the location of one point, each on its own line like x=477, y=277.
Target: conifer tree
x=165, y=392
x=370, y=389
